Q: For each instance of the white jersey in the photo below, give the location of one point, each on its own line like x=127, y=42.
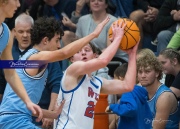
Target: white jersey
x=78, y=110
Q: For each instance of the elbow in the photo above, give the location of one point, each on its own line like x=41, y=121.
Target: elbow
x=104, y=62
x=8, y=74
x=129, y=87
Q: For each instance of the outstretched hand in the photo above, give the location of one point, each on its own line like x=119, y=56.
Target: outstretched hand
x=36, y=110
x=100, y=26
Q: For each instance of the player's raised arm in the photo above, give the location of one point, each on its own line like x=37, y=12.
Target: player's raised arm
x=118, y=86
x=104, y=58
x=70, y=49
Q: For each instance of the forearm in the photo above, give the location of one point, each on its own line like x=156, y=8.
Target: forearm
x=74, y=47
x=53, y=101
x=130, y=76
x=108, y=54
x=49, y=114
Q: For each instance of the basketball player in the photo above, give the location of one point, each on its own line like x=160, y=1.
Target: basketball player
x=7, y=10
x=81, y=90
x=45, y=38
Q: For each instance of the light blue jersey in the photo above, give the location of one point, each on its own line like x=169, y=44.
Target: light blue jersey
x=173, y=120
x=13, y=106
x=4, y=37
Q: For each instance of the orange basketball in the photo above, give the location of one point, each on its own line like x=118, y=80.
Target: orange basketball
x=131, y=34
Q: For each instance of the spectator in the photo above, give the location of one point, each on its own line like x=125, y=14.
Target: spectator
x=145, y=16
x=174, y=42
x=53, y=8
x=133, y=108
x=162, y=102
x=166, y=23
x=170, y=60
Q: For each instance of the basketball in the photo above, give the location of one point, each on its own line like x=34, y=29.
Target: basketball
x=131, y=34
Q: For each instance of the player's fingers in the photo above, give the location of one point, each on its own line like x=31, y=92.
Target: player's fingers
x=106, y=20
x=40, y=113
x=124, y=25
x=120, y=23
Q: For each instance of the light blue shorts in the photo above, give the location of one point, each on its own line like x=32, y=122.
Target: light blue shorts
x=16, y=121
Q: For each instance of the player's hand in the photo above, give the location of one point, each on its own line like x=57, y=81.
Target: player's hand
x=47, y=123
x=36, y=110
x=58, y=108
x=100, y=26
x=132, y=50
x=117, y=30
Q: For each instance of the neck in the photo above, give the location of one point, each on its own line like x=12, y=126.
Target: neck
x=99, y=17
x=2, y=17
x=151, y=89
x=39, y=47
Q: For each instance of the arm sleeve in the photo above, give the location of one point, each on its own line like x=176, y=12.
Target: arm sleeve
x=143, y=4
x=54, y=77
x=74, y=18
x=127, y=106
x=176, y=82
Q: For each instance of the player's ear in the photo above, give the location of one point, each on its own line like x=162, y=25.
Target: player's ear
x=96, y=55
x=14, y=31
x=71, y=59
x=121, y=78
x=45, y=40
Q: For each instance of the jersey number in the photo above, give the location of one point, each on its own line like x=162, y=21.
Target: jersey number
x=90, y=110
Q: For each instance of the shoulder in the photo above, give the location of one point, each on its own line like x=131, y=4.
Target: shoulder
x=4, y=30
x=167, y=97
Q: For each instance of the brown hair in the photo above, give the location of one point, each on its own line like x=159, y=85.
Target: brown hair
x=152, y=62
x=171, y=54
x=121, y=70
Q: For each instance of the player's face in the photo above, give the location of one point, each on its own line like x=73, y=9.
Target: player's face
x=10, y=7
x=98, y=5
x=147, y=76
x=166, y=64
x=54, y=43
x=22, y=34
x=84, y=54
